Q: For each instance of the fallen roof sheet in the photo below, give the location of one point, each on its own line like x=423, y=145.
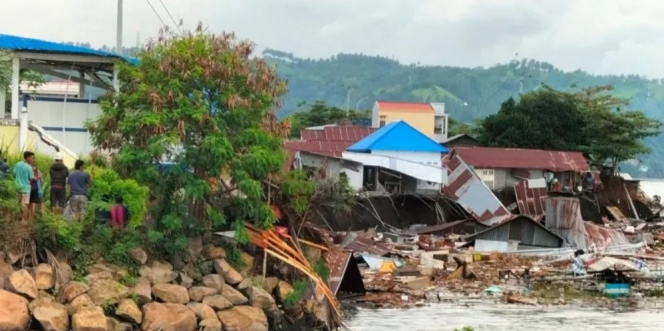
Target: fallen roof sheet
x=611, y=263
x=361, y=243
x=530, y=200
x=518, y=158
x=471, y=193
x=337, y=263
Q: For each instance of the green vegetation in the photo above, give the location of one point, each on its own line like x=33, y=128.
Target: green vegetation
x=465, y=328
x=300, y=288
x=591, y=120
x=320, y=114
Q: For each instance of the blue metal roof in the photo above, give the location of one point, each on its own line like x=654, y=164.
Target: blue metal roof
x=16, y=43
x=397, y=136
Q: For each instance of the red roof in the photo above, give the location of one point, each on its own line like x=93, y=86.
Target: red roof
x=518, y=158
x=329, y=141
x=416, y=107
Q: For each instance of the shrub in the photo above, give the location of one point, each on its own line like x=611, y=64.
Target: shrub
x=108, y=184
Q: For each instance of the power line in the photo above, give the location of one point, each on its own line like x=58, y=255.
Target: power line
x=177, y=26
x=155, y=12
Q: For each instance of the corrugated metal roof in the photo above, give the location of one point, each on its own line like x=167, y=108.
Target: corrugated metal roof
x=360, y=243
x=349, y=133
x=415, y=107
x=530, y=200
x=337, y=263
x=16, y=43
x=321, y=147
x=397, y=136
x=471, y=193
x=563, y=217
x=522, y=228
x=517, y=158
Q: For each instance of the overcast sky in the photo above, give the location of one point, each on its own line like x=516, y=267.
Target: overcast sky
x=599, y=36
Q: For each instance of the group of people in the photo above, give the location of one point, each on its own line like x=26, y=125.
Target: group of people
x=30, y=182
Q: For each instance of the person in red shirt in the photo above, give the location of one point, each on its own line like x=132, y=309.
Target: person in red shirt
x=119, y=214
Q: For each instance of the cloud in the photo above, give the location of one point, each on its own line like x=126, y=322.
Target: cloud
x=599, y=36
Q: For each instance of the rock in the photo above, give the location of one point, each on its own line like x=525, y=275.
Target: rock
x=162, y=265
x=195, y=248
x=192, y=271
x=247, y=263
x=5, y=270
x=243, y=318
x=129, y=311
x=171, y=293
x=245, y=284
x=97, y=276
x=106, y=291
x=231, y=276
x=312, y=253
x=157, y=275
x=260, y=299
x=177, y=262
x=63, y=273
x=89, y=319
x=14, y=255
x=197, y=293
x=45, y=295
x=138, y=255
x=44, y=278
x=51, y=315
x=21, y=282
x=519, y=299
x=185, y=280
x=214, y=281
x=113, y=324
x=217, y=302
x=142, y=290
x=14, y=314
x=212, y=252
x=202, y=311
x=268, y=284
x=233, y=295
x=168, y=317
x=210, y=324
x=117, y=272
x=73, y=289
x=79, y=302
x=283, y=290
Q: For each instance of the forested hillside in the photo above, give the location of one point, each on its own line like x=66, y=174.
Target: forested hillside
x=469, y=93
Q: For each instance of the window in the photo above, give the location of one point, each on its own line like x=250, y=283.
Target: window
x=383, y=117
x=382, y=123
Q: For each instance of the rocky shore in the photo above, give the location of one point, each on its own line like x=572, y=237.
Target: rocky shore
x=160, y=297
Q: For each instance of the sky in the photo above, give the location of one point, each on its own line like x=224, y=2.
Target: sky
x=598, y=36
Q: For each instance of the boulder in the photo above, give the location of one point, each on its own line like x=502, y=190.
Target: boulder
x=97, y=276
x=212, y=252
x=5, y=270
x=63, y=273
x=217, y=302
x=267, y=283
x=117, y=272
x=260, y=299
x=202, y=311
x=89, y=319
x=195, y=248
x=171, y=293
x=157, y=275
x=197, y=293
x=142, y=290
x=234, y=296
x=22, y=283
x=129, y=311
x=210, y=324
x=193, y=272
x=245, y=284
x=44, y=277
x=225, y=270
x=14, y=314
x=185, y=280
x=138, y=255
x=243, y=318
x=162, y=265
x=113, y=324
x=107, y=291
x=73, y=289
x=214, y=281
x=15, y=254
x=80, y=301
x=51, y=315
x=247, y=263
x=168, y=317
x=283, y=290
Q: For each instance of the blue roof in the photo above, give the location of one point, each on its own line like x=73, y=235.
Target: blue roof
x=397, y=136
x=16, y=43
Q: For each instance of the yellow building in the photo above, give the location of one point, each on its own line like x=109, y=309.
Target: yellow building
x=428, y=118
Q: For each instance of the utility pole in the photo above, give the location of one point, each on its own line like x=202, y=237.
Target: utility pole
x=349, y=90
x=118, y=44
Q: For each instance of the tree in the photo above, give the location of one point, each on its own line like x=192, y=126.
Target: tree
x=321, y=114
x=202, y=103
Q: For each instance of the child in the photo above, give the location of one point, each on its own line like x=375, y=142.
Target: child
x=119, y=214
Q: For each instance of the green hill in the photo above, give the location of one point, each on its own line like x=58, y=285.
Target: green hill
x=469, y=93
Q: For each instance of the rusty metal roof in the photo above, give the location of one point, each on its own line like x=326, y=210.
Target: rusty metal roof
x=518, y=158
x=563, y=216
x=530, y=200
x=350, y=133
x=470, y=192
x=337, y=263
x=361, y=243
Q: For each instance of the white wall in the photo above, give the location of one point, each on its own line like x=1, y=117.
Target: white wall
x=374, y=116
x=355, y=177
x=433, y=159
x=52, y=115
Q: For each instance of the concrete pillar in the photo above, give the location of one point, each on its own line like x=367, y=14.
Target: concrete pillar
x=23, y=130
x=3, y=100
x=81, y=86
x=116, y=81
x=16, y=67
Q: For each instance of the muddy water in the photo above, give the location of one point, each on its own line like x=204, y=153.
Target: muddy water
x=493, y=317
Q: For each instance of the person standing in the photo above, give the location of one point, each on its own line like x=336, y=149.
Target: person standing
x=24, y=176
x=119, y=214
x=78, y=181
x=36, y=192
x=59, y=173
x=4, y=167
